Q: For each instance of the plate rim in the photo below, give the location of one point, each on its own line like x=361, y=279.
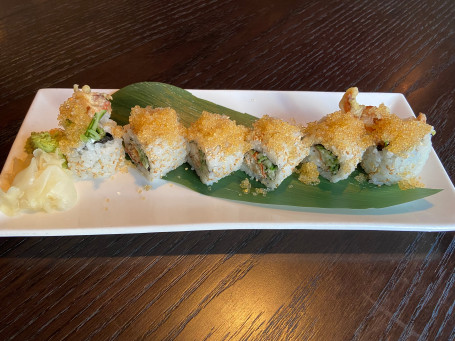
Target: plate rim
x=5, y=231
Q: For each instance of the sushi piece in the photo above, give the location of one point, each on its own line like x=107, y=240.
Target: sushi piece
x=276, y=149
x=90, y=141
x=401, y=149
x=338, y=142
x=155, y=140
x=400, y=146
x=217, y=145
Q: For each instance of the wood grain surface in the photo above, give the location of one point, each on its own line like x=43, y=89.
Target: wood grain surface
x=231, y=285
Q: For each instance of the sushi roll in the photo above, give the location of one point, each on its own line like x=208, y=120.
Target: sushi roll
x=401, y=149
x=90, y=141
x=216, y=146
x=276, y=149
x=338, y=142
x=155, y=140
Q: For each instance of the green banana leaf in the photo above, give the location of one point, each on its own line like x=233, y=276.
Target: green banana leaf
x=348, y=193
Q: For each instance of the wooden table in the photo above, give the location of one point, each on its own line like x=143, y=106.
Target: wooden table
x=231, y=285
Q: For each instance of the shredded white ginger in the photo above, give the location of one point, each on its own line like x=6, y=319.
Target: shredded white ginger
x=43, y=186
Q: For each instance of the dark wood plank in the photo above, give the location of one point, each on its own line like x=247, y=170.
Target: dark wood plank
x=260, y=284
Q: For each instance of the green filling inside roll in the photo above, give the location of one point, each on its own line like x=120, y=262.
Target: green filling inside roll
x=143, y=157
x=203, y=163
x=93, y=131
x=329, y=159
x=382, y=145
x=264, y=166
x=199, y=159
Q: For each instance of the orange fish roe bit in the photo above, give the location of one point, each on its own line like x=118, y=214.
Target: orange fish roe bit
x=76, y=113
x=245, y=185
x=276, y=134
x=56, y=133
x=117, y=131
x=218, y=132
x=402, y=135
x=73, y=117
x=150, y=125
x=308, y=174
x=261, y=191
x=339, y=131
x=410, y=184
x=361, y=178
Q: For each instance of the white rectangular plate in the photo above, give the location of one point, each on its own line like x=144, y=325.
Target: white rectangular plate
x=122, y=205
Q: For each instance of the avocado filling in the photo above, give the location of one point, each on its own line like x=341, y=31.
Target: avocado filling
x=143, y=157
x=330, y=161
x=262, y=165
x=199, y=159
x=202, y=162
x=136, y=154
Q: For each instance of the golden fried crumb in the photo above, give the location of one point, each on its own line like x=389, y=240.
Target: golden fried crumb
x=116, y=130
x=370, y=114
x=422, y=118
x=348, y=102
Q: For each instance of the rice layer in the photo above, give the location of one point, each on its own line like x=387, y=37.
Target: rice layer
x=385, y=168
x=402, y=147
x=96, y=160
x=155, y=141
x=217, y=146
